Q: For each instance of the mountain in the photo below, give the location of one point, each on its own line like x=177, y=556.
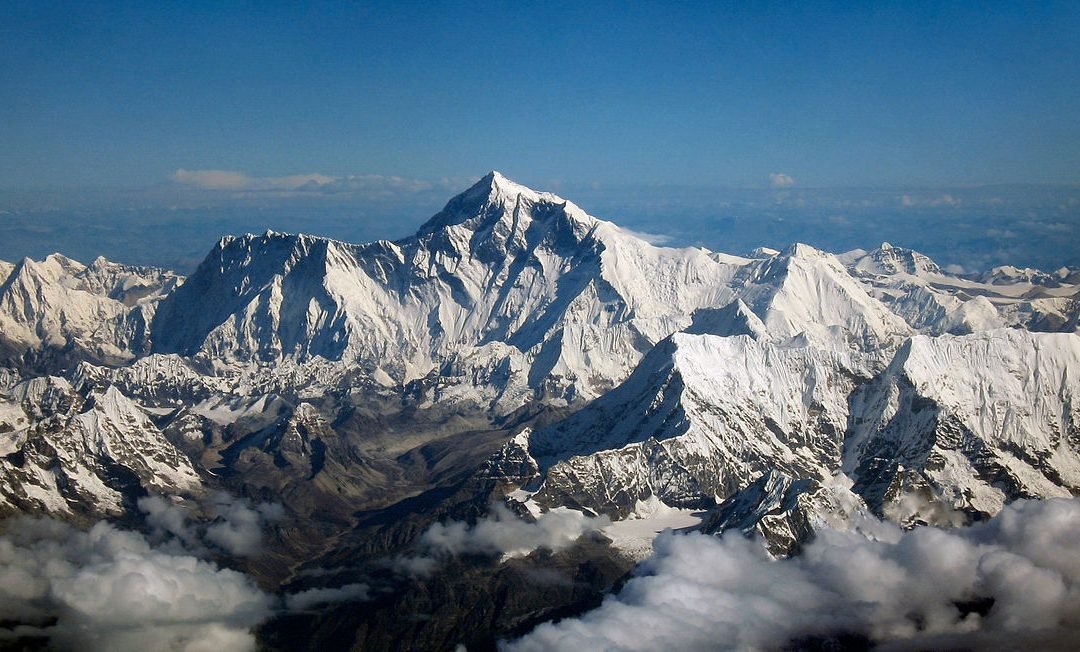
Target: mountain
x=83, y=453
x=935, y=301
x=701, y=417
x=785, y=512
x=58, y=311
x=950, y=431
x=970, y=423
x=806, y=293
x=506, y=287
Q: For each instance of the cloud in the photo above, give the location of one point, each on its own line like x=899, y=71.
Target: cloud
x=503, y=533
x=1012, y=582
x=212, y=179
x=658, y=239
x=234, y=180
x=506, y=533
x=938, y=201
x=304, y=600
x=108, y=589
x=371, y=186
x=780, y=180
x=237, y=527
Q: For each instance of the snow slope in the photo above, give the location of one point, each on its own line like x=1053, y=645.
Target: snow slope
x=972, y=422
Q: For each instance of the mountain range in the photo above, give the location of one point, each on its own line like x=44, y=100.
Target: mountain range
x=519, y=352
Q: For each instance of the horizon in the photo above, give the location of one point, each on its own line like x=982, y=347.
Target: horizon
x=965, y=229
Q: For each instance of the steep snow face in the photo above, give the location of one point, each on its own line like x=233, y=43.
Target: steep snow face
x=969, y=423
x=953, y=428
x=579, y=299
x=99, y=313
x=699, y=419
x=936, y=302
x=65, y=452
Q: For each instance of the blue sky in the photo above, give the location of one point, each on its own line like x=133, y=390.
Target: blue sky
x=699, y=94
x=144, y=131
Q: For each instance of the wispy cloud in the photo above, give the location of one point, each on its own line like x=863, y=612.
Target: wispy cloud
x=501, y=532
x=781, y=180
x=658, y=239
x=234, y=180
x=937, y=200
x=237, y=526
x=305, y=600
x=369, y=185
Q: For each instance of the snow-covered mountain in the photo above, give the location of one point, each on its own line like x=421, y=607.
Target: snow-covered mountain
x=82, y=452
x=700, y=418
x=57, y=311
x=951, y=430
x=969, y=422
x=935, y=301
x=506, y=286
x=517, y=348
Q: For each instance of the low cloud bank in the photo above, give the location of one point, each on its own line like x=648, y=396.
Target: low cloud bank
x=502, y=532
x=237, y=528
x=108, y=589
x=111, y=589
x=1012, y=582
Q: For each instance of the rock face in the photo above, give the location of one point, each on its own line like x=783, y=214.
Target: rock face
x=936, y=302
x=699, y=419
x=785, y=512
x=951, y=430
x=82, y=453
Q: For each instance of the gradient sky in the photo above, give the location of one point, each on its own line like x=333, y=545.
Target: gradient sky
x=712, y=93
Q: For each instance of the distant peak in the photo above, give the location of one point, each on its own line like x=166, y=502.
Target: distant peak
x=763, y=252
x=800, y=250
x=885, y=246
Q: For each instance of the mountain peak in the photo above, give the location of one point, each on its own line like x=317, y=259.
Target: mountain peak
x=494, y=198
x=802, y=250
x=495, y=184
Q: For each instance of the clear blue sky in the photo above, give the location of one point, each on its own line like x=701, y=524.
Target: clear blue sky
x=710, y=93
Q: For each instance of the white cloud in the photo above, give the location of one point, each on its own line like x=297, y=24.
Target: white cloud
x=237, y=528
x=108, y=589
x=944, y=199
x=502, y=532
x=780, y=180
x=506, y=533
x=234, y=180
x=372, y=186
x=658, y=239
x=239, y=525
x=305, y=600
x=914, y=590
